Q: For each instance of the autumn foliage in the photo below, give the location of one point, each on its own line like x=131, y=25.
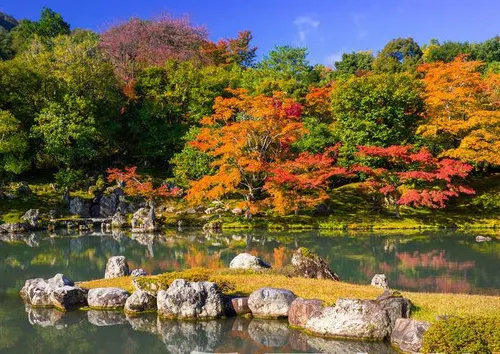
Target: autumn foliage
x=136, y=186
x=410, y=176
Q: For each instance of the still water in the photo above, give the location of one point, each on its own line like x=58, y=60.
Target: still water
x=417, y=261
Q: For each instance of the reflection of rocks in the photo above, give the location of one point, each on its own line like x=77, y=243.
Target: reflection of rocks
x=352, y=318
x=106, y=318
x=143, y=323
x=45, y=317
x=408, y=334
x=117, y=266
x=324, y=345
x=191, y=336
x=184, y=299
x=240, y=324
x=271, y=333
x=271, y=302
x=248, y=261
x=107, y=298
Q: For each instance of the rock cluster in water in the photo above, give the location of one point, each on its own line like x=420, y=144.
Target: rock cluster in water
x=385, y=318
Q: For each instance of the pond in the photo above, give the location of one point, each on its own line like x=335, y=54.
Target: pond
x=416, y=261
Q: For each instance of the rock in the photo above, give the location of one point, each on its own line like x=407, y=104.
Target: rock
x=140, y=301
x=31, y=217
x=408, y=334
x=108, y=204
x=301, y=310
x=240, y=305
x=248, y=261
x=270, y=302
x=14, y=227
x=483, y=238
x=116, y=267
x=309, y=265
x=106, y=318
x=139, y=272
x=107, y=298
x=190, y=211
x=353, y=319
x=210, y=210
x=269, y=333
x=396, y=307
x=380, y=281
x=184, y=299
x=79, y=206
x=144, y=220
x=24, y=293
x=37, y=292
x=68, y=298
x=237, y=211
x=23, y=189
x=118, y=220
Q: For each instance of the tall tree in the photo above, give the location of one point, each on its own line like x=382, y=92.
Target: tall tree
x=400, y=54
x=14, y=145
x=446, y=51
x=462, y=111
x=232, y=51
x=354, y=63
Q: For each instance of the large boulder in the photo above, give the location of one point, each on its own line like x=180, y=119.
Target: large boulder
x=31, y=217
x=116, y=267
x=248, y=261
x=380, y=281
x=184, y=299
x=271, y=302
x=309, y=265
x=37, y=292
x=144, y=220
x=140, y=301
x=79, y=206
x=352, y=318
x=107, y=298
x=240, y=305
x=109, y=203
x=396, y=307
x=408, y=334
x=68, y=298
x=301, y=310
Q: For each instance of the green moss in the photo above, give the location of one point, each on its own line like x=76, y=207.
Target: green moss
x=463, y=335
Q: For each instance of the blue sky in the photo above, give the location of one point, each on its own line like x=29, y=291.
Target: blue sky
x=328, y=27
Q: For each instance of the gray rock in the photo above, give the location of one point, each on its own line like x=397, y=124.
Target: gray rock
x=248, y=261
x=68, y=298
x=139, y=272
x=240, y=305
x=24, y=293
x=352, y=318
x=270, y=333
x=116, y=267
x=301, y=310
x=185, y=299
x=144, y=220
x=106, y=318
x=37, y=292
x=380, y=281
x=140, y=301
x=108, y=205
x=271, y=302
x=14, y=227
x=107, y=298
x=483, y=238
x=31, y=217
x=79, y=206
x=309, y=265
x=118, y=220
x=396, y=307
x=408, y=334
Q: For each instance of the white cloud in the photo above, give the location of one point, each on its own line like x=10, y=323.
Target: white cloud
x=359, y=20
x=332, y=58
x=305, y=26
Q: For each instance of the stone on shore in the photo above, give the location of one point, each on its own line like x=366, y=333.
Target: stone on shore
x=271, y=302
x=118, y=220
x=408, y=334
x=184, y=300
x=116, y=267
x=380, y=281
x=240, y=305
x=37, y=292
x=248, y=261
x=140, y=301
x=352, y=319
x=396, y=307
x=79, y=206
x=31, y=217
x=139, y=272
x=301, y=310
x=144, y=220
x=107, y=298
x=68, y=298
x=309, y=265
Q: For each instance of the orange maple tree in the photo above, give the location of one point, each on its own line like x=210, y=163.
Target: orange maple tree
x=245, y=135
x=462, y=108
x=318, y=103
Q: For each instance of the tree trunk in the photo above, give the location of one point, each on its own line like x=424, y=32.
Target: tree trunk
x=397, y=211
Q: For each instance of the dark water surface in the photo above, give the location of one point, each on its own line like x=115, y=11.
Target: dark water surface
x=417, y=261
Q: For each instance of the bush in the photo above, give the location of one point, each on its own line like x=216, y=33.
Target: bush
x=463, y=335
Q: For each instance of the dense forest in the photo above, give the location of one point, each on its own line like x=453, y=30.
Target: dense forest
x=414, y=123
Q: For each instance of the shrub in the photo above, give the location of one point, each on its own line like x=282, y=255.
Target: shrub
x=463, y=335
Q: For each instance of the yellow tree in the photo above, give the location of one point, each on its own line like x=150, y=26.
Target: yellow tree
x=462, y=108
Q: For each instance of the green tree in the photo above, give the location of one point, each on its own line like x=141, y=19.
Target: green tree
x=379, y=110
x=487, y=51
x=354, y=62
x=400, y=54
x=13, y=145
x=445, y=52
x=5, y=44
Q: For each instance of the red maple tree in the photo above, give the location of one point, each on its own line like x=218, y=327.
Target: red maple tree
x=412, y=176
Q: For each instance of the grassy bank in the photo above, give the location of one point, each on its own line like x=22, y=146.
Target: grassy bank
x=426, y=305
